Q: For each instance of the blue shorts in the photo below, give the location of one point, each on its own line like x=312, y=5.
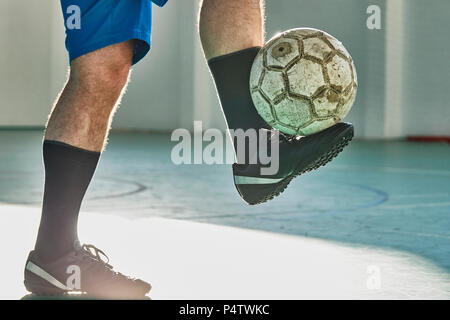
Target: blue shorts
x=95, y=24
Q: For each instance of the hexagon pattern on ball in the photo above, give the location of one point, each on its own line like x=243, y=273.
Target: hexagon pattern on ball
x=303, y=81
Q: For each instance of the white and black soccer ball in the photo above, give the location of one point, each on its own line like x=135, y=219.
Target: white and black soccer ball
x=303, y=81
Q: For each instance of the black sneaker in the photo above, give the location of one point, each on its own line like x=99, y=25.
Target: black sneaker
x=296, y=156
x=81, y=271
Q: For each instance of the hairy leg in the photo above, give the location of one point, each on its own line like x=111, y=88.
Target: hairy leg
x=74, y=139
x=230, y=26
x=83, y=113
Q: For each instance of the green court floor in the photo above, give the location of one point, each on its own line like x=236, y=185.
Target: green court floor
x=393, y=195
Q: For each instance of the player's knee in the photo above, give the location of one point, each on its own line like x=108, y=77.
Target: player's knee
x=104, y=71
x=106, y=78
x=113, y=75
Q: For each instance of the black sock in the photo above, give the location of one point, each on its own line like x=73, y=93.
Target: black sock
x=68, y=172
x=231, y=74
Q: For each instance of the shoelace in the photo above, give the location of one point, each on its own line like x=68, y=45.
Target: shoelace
x=283, y=136
x=97, y=254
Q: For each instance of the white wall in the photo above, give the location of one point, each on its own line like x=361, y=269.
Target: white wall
x=426, y=87
x=25, y=56
x=172, y=86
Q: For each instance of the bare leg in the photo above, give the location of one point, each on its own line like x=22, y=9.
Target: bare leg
x=83, y=112
x=231, y=25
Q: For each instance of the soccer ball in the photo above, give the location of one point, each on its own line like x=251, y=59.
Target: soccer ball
x=303, y=81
